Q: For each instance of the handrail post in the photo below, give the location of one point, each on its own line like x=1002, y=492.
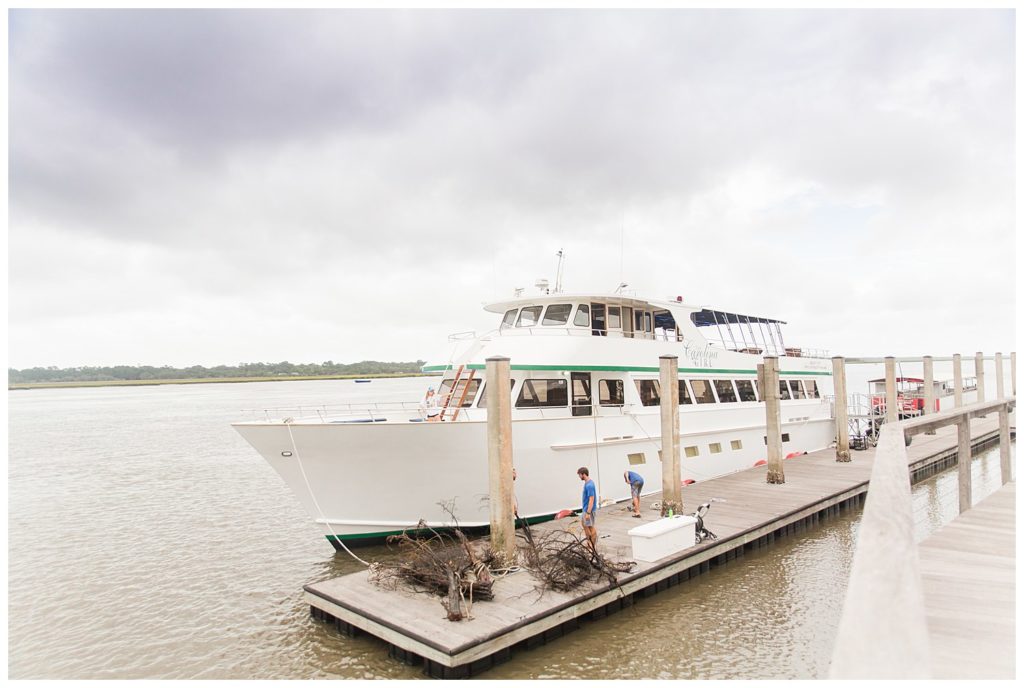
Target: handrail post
x=979, y=375
x=1000, y=389
x=499, y=458
x=842, y=413
x=891, y=409
x=963, y=462
x=671, y=470
x=883, y=630
x=958, y=382
x=929, y=390
x=768, y=379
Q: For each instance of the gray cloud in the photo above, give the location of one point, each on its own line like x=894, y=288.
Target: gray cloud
x=276, y=163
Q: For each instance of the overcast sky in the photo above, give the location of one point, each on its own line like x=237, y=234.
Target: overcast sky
x=206, y=187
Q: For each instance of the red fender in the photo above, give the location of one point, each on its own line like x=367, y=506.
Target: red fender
x=563, y=513
x=762, y=462
x=689, y=482
x=790, y=455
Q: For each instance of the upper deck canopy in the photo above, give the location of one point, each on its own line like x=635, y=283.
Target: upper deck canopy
x=561, y=297
x=708, y=317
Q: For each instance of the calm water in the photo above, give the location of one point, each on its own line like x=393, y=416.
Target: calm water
x=146, y=539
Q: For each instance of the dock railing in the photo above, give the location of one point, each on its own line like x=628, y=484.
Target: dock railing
x=883, y=631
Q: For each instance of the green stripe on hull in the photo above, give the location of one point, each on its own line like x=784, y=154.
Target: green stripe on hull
x=623, y=369
x=356, y=538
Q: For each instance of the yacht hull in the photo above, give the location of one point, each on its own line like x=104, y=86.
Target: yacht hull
x=361, y=482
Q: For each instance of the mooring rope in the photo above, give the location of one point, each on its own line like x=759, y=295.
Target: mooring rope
x=315, y=502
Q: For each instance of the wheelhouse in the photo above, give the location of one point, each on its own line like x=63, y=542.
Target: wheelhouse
x=597, y=317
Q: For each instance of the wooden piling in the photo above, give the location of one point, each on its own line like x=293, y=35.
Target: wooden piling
x=891, y=403
x=958, y=382
x=1013, y=373
x=499, y=457
x=842, y=413
x=671, y=470
x=963, y=463
x=929, y=389
x=768, y=378
x=1004, y=445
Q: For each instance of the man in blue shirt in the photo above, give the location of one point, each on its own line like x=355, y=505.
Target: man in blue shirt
x=636, y=483
x=589, y=516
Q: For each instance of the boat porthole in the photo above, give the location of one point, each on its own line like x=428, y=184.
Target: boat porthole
x=286, y=453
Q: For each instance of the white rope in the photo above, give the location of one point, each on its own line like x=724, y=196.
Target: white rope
x=315, y=502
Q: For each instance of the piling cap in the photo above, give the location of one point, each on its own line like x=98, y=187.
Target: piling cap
x=668, y=356
x=498, y=358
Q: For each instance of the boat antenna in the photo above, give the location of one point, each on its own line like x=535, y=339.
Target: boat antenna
x=558, y=273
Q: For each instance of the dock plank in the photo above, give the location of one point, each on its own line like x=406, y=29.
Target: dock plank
x=968, y=571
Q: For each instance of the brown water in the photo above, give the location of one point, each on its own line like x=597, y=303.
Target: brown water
x=146, y=539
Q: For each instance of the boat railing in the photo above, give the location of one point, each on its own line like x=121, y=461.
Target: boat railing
x=554, y=330
x=325, y=411
x=409, y=411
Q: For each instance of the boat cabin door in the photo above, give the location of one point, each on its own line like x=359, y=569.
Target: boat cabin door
x=598, y=320
x=582, y=400
x=614, y=321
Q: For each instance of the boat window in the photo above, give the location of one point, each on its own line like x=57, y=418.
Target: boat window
x=446, y=385
x=510, y=317
x=783, y=390
x=812, y=389
x=725, y=390
x=746, y=390
x=702, y=391
x=736, y=444
x=483, y=397
x=684, y=393
x=648, y=322
x=627, y=321
x=557, y=314
x=715, y=447
x=582, y=318
x=529, y=316
x=638, y=321
x=798, y=391
x=582, y=402
x=650, y=392
x=541, y=393
x=636, y=459
x=691, y=452
x=611, y=393
x=614, y=317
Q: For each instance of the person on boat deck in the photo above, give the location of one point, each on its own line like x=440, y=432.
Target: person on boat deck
x=636, y=483
x=589, y=516
x=431, y=402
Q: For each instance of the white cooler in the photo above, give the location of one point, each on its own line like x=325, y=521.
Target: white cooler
x=658, y=539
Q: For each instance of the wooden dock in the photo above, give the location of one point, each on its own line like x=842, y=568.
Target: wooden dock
x=521, y=616
x=968, y=569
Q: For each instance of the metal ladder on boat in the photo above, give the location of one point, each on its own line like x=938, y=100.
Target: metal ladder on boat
x=454, y=390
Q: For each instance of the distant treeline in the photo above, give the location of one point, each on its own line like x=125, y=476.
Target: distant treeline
x=123, y=372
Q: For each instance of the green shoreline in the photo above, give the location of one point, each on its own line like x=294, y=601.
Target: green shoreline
x=204, y=380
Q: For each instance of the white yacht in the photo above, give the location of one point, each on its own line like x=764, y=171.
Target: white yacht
x=585, y=392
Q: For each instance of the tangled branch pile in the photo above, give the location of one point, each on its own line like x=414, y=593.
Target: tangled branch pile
x=443, y=564
x=563, y=561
